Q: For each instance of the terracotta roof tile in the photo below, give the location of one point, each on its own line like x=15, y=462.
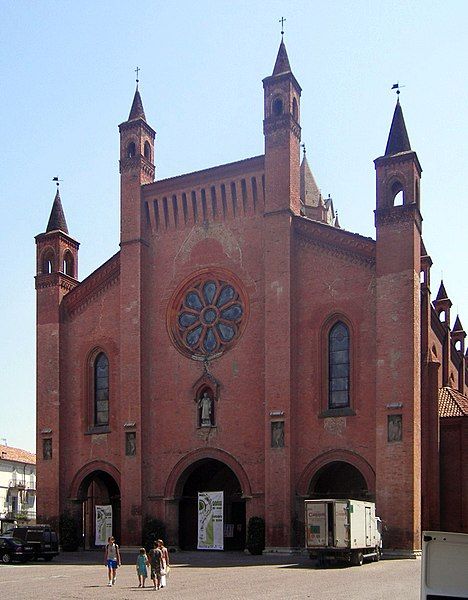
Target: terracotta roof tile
x=17, y=455
x=452, y=403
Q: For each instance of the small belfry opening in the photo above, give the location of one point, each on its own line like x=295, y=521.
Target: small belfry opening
x=68, y=264
x=295, y=109
x=277, y=107
x=397, y=194
x=147, y=151
x=131, y=150
x=47, y=262
x=210, y=475
x=339, y=479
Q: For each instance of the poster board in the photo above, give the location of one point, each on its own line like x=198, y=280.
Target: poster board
x=103, y=524
x=210, y=521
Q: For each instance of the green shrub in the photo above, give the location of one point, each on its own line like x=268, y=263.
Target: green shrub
x=69, y=532
x=256, y=535
x=153, y=529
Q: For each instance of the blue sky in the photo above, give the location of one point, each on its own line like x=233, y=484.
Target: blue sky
x=67, y=72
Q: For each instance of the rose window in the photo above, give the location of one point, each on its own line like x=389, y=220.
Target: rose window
x=208, y=317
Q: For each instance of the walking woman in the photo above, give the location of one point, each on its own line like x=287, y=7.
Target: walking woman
x=164, y=562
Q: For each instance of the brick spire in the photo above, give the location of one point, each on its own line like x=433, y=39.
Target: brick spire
x=457, y=326
x=310, y=193
x=398, y=140
x=282, y=61
x=441, y=294
x=57, y=220
x=137, y=111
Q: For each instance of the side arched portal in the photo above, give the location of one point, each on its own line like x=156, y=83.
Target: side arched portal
x=98, y=488
x=339, y=479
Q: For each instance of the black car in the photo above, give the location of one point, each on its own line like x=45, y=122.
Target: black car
x=12, y=548
x=41, y=538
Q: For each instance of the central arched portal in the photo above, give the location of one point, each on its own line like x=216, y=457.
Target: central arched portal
x=210, y=475
x=98, y=488
x=339, y=479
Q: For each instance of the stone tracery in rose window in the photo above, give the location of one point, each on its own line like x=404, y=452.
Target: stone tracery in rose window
x=209, y=316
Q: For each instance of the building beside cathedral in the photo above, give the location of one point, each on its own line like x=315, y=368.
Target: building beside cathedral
x=241, y=341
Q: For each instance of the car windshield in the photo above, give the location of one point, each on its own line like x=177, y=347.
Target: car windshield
x=11, y=539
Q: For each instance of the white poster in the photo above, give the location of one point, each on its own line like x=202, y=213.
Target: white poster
x=103, y=524
x=210, y=521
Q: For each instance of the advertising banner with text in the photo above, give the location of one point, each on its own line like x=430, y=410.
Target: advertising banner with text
x=103, y=524
x=210, y=521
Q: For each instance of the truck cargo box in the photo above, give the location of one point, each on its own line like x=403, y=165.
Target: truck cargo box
x=345, y=529
x=444, y=569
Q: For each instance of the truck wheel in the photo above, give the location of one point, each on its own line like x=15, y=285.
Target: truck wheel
x=357, y=558
x=377, y=554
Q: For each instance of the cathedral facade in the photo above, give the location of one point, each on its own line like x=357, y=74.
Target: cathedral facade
x=241, y=341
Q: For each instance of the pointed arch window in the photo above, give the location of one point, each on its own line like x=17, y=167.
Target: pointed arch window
x=101, y=390
x=338, y=366
x=68, y=264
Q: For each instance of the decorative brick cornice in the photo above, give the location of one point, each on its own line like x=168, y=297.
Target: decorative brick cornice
x=137, y=163
x=47, y=280
x=91, y=287
x=394, y=215
x=135, y=125
x=45, y=238
x=283, y=122
x=351, y=246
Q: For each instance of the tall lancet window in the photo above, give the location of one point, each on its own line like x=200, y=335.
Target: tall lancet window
x=101, y=390
x=338, y=366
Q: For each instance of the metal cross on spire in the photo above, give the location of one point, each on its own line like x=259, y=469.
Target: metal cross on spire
x=396, y=86
x=57, y=181
x=137, y=70
x=282, y=20
x=303, y=149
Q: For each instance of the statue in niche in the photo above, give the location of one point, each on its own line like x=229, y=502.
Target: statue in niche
x=205, y=408
x=130, y=443
x=277, y=434
x=394, y=428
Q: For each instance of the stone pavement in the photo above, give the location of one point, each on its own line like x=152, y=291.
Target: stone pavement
x=212, y=576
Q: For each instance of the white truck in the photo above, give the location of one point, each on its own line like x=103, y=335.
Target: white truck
x=342, y=530
x=444, y=569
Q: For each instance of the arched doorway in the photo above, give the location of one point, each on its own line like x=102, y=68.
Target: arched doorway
x=210, y=475
x=339, y=479
x=98, y=488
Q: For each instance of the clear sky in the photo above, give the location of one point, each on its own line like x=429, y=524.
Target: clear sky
x=67, y=81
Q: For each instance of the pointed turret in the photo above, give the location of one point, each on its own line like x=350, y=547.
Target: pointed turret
x=457, y=326
x=441, y=294
x=282, y=61
x=137, y=111
x=337, y=223
x=398, y=140
x=57, y=220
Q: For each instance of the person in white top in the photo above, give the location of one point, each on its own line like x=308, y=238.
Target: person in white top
x=112, y=560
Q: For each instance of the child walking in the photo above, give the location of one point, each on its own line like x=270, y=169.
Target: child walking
x=112, y=559
x=155, y=557
x=142, y=571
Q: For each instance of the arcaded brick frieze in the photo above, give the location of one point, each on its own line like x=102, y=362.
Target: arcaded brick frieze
x=93, y=285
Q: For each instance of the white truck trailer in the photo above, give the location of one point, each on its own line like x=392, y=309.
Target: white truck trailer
x=342, y=530
x=444, y=569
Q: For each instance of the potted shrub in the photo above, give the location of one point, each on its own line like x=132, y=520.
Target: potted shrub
x=256, y=535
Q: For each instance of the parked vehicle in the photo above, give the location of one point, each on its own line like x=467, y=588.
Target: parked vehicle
x=42, y=539
x=342, y=530
x=444, y=571
x=14, y=549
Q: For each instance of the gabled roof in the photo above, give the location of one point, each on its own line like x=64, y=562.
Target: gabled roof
x=17, y=455
x=452, y=403
x=57, y=220
x=310, y=193
x=137, y=111
x=282, y=61
x=398, y=140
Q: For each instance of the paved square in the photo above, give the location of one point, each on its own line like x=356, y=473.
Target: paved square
x=210, y=576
